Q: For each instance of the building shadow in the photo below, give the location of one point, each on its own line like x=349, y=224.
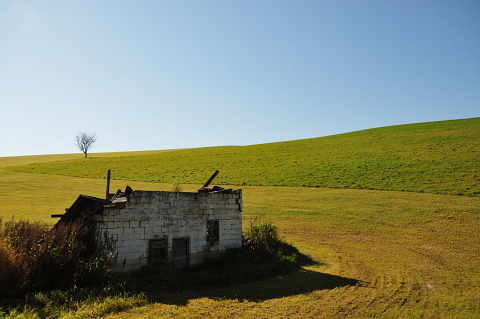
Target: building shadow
x=299, y=281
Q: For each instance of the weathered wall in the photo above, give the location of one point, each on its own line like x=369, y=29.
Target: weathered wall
x=171, y=215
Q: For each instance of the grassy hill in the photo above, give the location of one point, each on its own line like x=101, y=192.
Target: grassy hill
x=414, y=254
x=433, y=157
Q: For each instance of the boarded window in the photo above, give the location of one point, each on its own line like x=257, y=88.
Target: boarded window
x=213, y=231
x=180, y=253
x=157, y=253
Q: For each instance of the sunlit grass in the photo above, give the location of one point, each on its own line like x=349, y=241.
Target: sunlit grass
x=435, y=157
x=414, y=254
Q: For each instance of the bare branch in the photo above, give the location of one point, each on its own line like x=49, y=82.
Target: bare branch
x=85, y=141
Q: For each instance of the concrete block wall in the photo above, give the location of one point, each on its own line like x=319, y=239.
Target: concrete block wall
x=171, y=215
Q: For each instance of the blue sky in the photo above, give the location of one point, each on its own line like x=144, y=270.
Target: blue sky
x=147, y=75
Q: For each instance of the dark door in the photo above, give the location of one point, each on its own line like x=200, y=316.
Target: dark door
x=180, y=253
x=157, y=254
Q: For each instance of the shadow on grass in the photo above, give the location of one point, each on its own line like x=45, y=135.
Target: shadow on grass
x=299, y=281
x=242, y=274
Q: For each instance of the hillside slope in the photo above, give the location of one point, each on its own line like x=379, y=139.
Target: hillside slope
x=434, y=157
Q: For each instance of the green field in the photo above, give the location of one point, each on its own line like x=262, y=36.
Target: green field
x=412, y=253
x=434, y=157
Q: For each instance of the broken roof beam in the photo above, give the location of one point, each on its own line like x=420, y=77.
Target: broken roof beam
x=210, y=180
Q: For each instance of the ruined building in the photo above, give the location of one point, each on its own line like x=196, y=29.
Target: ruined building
x=152, y=228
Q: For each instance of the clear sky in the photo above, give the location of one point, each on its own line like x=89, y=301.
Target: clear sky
x=148, y=75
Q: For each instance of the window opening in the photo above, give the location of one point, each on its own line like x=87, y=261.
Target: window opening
x=213, y=231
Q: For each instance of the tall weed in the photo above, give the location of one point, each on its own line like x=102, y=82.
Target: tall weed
x=262, y=236
x=34, y=257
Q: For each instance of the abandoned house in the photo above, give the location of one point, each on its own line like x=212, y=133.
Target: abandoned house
x=152, y=228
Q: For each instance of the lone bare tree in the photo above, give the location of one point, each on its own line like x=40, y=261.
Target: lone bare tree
x=85, y=141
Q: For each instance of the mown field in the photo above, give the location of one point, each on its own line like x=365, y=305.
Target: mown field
x=378, y=253
x=434, y=157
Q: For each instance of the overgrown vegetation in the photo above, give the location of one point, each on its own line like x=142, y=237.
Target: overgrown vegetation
x=36, y=257
x=50, y=267
x=435, y=157
x=262, y=236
